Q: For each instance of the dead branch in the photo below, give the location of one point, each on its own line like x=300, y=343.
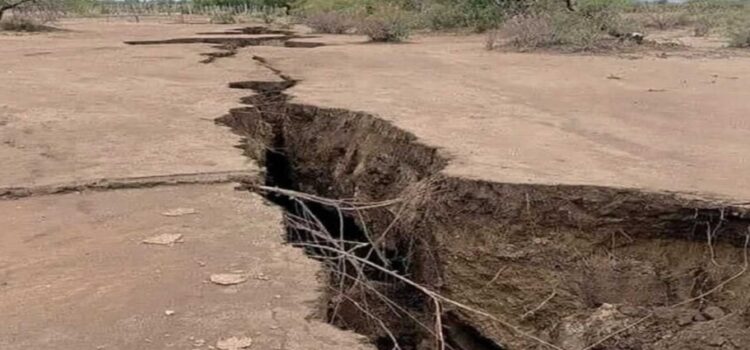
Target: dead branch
x=540, y=306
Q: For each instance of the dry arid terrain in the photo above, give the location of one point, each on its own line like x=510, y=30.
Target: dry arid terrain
x=529, y=200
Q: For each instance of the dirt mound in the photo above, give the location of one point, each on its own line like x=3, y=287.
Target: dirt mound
x=553, y=266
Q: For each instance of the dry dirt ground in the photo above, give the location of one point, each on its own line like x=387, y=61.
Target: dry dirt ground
x=79, y=106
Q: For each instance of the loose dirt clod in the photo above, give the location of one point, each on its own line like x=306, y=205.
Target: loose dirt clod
x=234, y=343
x=164, y=239
x=228, y=279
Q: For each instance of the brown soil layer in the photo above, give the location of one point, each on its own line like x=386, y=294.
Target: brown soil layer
x=570, y=264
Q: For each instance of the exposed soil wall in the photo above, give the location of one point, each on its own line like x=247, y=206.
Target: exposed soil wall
x=569, y=264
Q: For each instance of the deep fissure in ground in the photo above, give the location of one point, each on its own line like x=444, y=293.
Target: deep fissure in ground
x=570, y=264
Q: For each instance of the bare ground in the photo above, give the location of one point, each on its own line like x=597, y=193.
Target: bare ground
x=80, y=111
x=546, y=173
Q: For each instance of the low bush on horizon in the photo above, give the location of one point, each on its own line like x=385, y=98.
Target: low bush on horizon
x=23, y=24
x=386, y=23
x=740, y=36
x=330, y=22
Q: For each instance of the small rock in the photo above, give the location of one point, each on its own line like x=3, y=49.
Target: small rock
x=169, y=312
x=234, y=343
x=713, y=312
x=164, y=239
x=228, y=279
x=629, y=310
x=262, y=277
x=699, y=318
x=179, y=212
x=685, y=319
x=199, y=342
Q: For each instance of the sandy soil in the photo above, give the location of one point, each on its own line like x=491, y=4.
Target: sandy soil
x=74, y=273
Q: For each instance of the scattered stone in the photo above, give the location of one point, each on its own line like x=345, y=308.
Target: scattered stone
x=164, y=239
x=262, y=277
x=179, y=212
x=169, y=312
x=199, y=342
x=699, y=318
x=234, y=343
x=713, y=312
x=228, y=279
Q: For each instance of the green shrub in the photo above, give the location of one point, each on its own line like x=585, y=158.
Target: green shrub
x=387, y=23
x=311, y=7
x=478, y=15
x=443, y=16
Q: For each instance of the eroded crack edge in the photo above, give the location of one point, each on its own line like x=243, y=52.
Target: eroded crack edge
x=106, y=184
x=669, y=213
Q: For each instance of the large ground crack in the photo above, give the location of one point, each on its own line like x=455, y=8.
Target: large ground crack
x=572, y=265
x=227, y=46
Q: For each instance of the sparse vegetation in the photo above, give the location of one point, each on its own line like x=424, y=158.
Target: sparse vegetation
x=595, y=25
x=331, y=22
x=223, y=18
x=29, y=15
x=23, y=24
x=387, y=23
x=664, y=17
x=740, y=37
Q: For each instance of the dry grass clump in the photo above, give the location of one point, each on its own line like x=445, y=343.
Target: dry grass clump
x=386, y=24
x=331, y=22
x=566, y=32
